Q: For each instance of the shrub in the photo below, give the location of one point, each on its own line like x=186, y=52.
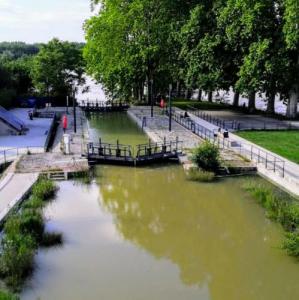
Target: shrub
x=196, y=174
x=291, y=243
x=206, y=157
x=44, y=189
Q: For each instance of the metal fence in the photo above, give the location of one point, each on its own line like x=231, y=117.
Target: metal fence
x=9, y=155
x=248, y=151
x=238, y=125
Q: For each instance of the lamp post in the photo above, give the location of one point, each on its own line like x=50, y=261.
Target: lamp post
x=74, y=110
x=170, y=108
x=67, y=105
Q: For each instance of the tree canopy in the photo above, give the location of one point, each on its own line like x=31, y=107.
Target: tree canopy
x=58, y=68
x=248, y=45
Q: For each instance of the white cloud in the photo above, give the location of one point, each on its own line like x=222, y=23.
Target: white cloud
x=32, y=21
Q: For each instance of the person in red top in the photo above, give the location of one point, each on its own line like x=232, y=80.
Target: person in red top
x=64, y=123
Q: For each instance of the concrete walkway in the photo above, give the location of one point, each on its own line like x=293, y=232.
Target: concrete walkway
x=13, y=189
x=157, y=128
x=21, y=175
x=277, y=169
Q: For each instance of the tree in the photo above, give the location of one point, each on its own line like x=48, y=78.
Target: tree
x=291, y=35
x=58, y=68
x=133, y=44
x=202, y=48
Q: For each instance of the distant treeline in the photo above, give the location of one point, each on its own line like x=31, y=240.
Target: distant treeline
x=50, y=70
x=15, y=50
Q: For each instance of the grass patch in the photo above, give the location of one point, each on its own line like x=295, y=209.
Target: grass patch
x=281, y=208
x=8, y=296
x=196, y=174
x=203, y=105
x=284, y=143
x=23, y=232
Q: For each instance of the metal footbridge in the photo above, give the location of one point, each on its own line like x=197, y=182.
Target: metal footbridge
x=142, y=154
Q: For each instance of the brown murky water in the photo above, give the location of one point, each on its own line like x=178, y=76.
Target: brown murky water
x=148, y=233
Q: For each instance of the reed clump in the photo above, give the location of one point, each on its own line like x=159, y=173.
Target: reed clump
x=23, y=232
x=281, y=208
x=196, y=174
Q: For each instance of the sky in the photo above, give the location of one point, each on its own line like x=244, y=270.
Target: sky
x=41, y=20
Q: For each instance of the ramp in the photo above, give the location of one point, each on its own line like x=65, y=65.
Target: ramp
x=11, y=120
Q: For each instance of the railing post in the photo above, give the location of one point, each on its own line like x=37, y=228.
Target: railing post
x=266, y=160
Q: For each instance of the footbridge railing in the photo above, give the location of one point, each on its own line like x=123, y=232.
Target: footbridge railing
x=102, y=106
x=129, y=155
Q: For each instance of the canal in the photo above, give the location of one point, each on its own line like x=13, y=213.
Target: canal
x=148, y=233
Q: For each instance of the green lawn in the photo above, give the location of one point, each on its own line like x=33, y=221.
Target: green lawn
x=284, y=143
x=204, y=105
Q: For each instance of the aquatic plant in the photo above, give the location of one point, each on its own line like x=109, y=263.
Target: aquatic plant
x=8, y=296
x=33, y=203
x=196, y=174
x=16, y=260
x=206, y=157
x=32, y=223
x=281, y=208
x=24, y=231
x=44, y=189
x=291, y=243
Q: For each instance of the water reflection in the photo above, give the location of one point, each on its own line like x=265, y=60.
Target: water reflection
x=113, y=127
x=216, y=236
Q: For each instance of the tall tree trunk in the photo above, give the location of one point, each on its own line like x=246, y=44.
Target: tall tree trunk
x=271, y=103
x=189, y=94
x=199, y=97
x=186, y=93
x=210, y=96
x=292, y=108
x=251, y=102
x=140, y=91
x=148, y=90
x=236, y=99
x=178, y=89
